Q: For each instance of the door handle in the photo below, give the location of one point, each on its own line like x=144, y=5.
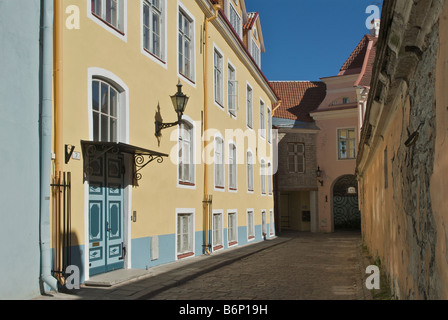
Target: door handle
x=107, y=227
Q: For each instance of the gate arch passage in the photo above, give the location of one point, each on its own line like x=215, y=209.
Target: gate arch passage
x=346, y=214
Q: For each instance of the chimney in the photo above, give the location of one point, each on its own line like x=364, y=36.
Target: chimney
x=375, y=27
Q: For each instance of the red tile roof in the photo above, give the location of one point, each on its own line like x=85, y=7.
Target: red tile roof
x=299, y=98
x=355, y=62
x=366, y=75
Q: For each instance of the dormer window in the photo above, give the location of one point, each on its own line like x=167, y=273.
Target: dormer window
x=256, y=53
x=235, y=20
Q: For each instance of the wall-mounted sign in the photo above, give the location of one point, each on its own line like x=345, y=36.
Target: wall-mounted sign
x=351, y=190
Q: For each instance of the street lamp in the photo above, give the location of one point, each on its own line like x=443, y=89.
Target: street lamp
x=180, y=101
x=319, y=175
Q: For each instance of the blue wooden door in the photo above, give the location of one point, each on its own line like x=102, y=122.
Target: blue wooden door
x=106, y=240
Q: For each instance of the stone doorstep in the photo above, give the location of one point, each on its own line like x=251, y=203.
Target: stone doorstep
x=116, y=277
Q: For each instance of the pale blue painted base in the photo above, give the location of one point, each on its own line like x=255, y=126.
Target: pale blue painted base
x=141, y=249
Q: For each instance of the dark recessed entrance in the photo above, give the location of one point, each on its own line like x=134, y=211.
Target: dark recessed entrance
x=346, y=214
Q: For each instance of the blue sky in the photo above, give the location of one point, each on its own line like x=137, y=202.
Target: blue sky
x=309, y=39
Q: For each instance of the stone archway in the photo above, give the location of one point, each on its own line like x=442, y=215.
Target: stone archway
x=346, y=214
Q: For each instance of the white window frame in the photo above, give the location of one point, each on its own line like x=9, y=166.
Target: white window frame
x=269, y=177
x=249, y=106
x=271, y=223
x=250, y=216
x=233, y=167
x=106, y=114
x=250, y=171
x=264, y=223
x=262, y=119
x=338, y=137
x=263, y=166
x=256, y=53
x=232, y=97
x=219, y=162
x=234, y=15
x=190, y=212
x=119, y=31
x=181, y=181
x=269, y=125
x=123, y=114
x=162, y=59
x=190, y=79
x=217, y=230
x=218, y=77
x=232, y=214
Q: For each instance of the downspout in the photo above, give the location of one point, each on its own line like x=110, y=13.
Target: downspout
x=58, y=125
x=45, y=145
x=207, y=202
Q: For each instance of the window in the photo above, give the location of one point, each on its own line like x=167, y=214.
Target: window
x=249, y=107
x=235, y=20
x=186, y=153
x=219, y=78
x=264, y=226
x=105, y=111
x=269, y=128
x=232, y=167
x=153, y=27
x=250, y=225
x=232, y=229
x=262, y=120
x=250, y=172
x=232, y=91
x=219, y=163
x=271, y=223
x=346, y=144
x=263, y=177
x=186, y=46
x=345, y=100
x=269, y=178
x=296, y=157
x=256, y=53
x=109, y=11
x=184, y=235
x=217, y=231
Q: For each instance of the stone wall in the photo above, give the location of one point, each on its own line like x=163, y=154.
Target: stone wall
x=403, y=170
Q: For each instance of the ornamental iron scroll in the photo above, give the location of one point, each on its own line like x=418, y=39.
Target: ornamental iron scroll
x=94, y=151
x=140, y=162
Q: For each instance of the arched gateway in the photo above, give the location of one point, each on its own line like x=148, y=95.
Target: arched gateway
x=346, y=214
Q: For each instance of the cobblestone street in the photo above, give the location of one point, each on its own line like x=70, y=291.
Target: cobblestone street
x=308, y=267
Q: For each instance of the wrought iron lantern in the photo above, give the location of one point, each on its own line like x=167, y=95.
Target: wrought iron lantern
x=180, y=101
x=319, y=175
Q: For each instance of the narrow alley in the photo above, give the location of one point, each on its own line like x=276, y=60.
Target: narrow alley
x=308, y=267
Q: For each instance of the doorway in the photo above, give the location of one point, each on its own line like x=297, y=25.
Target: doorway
x=106, y=214
x=346, y=214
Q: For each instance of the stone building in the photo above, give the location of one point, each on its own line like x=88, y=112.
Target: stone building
x=402, y=161
x=318, y=130
x=296, y=185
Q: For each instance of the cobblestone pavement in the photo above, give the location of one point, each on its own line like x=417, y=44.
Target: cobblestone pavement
x=308, y=267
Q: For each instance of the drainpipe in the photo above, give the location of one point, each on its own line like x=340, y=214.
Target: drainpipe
x=45, y=145
x=207, y=202
x=58, y=125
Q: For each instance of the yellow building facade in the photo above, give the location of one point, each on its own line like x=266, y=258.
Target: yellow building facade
x=141, y=198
